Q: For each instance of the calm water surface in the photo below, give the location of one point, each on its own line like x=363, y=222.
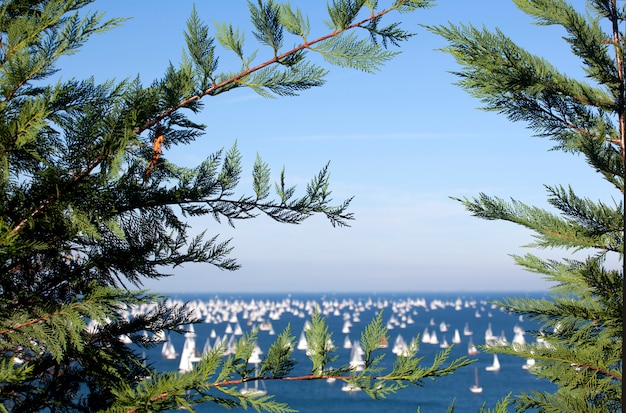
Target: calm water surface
x=407, y=315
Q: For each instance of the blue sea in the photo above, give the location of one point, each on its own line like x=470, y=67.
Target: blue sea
x=406, y=314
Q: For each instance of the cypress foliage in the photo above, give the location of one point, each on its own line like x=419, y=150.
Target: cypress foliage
x=91, y=206
x=580, y=344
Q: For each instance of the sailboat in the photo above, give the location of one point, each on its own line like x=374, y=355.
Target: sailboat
x=265, y=325
x=350, y=388
x=433, y=338
x=529, y=364
x=190, y=353
x=207, y=346
x=168, y=351
x=356, y=356
x=302, y=344
x=457, y=337
x=471, y=348
x=496, y=364
x=476, y=388
x=444, y=343
x=347, y=343
x=490, y=338
x=255, y=358
x=346, y=327
x=400, y=347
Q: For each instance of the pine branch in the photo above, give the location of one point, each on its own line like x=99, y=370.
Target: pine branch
x=582, y=326
x=55, y=331
x=225, y=85
x=551, y=229
x=234, y=79
x=53, y=196
x=65, y=35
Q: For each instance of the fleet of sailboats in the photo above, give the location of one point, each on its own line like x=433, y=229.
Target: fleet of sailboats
x=401, y=316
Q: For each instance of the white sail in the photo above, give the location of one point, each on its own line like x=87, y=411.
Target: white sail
x=518, y=339
x=265, y=325
x=302, y=344
x=444, y=343
x=476, y=387
x=346, y=327
x=190, y=353
x=471, y=348
x=433, y=338
x=255, y=358
x=400, y=347
x=168, y=351
x=356, y=356
x=347, y=343
x=502, y=341
x=496, y=364
x=490, y=338
x=529, y=364
x=207, y=346
x=350, y=388
x=457, y=337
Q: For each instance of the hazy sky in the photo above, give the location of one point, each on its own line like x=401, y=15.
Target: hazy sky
x=401, y=141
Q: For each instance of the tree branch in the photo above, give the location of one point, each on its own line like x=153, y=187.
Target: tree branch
x=58, y=193
x=234, y=79
x=210, y=91
x=308, y=377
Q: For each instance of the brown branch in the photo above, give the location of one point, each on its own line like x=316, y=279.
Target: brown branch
x=157, y=149
x=234, y=79
x=38, y=320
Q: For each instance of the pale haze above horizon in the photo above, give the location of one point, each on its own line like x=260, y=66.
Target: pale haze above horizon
x=402, y=141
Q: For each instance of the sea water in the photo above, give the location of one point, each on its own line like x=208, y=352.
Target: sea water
x=406, y=314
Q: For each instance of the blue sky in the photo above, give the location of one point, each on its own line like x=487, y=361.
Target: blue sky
x=401, y=141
